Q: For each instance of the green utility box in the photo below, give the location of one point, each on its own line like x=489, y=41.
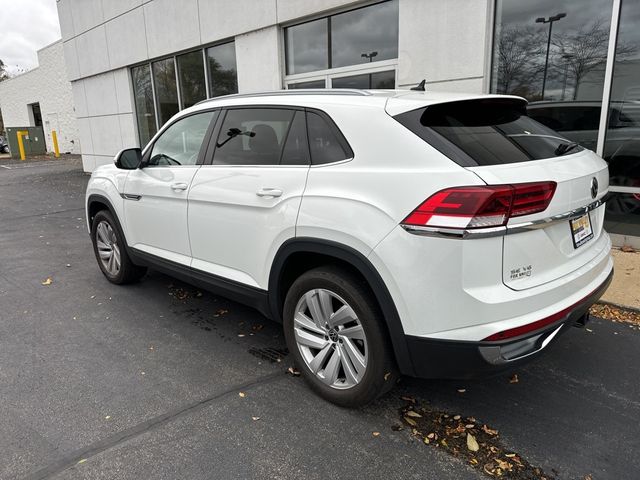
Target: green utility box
x=33, y=142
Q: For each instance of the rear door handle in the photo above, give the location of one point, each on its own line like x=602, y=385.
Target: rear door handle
x=179, y=186
x=269, y=192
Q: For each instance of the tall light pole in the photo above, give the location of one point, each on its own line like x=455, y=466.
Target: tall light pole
x=369, y=56
x=550, y=21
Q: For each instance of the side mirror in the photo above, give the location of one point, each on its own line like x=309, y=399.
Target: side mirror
x=128, y=159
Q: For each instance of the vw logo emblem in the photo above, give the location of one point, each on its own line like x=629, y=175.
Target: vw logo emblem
x=594, y=187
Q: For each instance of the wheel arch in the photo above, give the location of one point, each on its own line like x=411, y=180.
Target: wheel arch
x=298, y=255
x=96, y=203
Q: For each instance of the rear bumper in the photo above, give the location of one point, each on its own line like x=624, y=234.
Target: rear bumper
x=438, y=358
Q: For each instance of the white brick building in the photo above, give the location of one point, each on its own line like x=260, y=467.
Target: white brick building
x=47, y=86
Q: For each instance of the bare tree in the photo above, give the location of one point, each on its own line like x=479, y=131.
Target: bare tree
x=4, y=75
x=586, y=50
x=520, y=49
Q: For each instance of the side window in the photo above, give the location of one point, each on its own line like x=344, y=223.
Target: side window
x=323, y=142
x=252, y=136
x=296, y=148
x=180, y=143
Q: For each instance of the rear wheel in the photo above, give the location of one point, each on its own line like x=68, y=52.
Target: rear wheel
x=335, y=333
x=110, y=249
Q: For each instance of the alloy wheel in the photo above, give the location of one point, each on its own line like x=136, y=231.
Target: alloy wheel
x=331, y=339
x=108, y=248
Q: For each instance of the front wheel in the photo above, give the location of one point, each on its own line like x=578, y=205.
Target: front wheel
x=110, y=249
x=335, y=333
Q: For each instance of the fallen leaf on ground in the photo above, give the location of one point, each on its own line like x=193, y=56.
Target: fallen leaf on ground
x=410, y=421
x=48, y=281
x=241, y=394
x=408, y=399
x=375, y=434
x=411, y=413
x=489, y=431
x=504, y=465
x=255, y=419
x=472, y=443
x=293, y=371
x=514, y=378
x=82, y=461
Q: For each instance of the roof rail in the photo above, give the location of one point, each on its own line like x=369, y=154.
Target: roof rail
x=297, y=91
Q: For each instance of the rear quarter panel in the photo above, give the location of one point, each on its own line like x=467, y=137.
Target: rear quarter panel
x=358, y=202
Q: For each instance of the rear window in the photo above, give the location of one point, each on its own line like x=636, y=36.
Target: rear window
x=484, y=132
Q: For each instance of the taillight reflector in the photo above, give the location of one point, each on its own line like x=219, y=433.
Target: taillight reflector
x=482, y=206
x=537, y=325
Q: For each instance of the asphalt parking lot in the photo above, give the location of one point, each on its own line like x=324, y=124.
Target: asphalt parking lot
x=100, y=381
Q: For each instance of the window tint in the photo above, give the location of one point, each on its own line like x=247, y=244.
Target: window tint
x=223, y=77
x=323, y=143
x=306, y=47
x=365, y=35
x=490, y=132
x=252, y=136
x=296, y=148
x=180, y=143
x=311, y=84
x=145, y=110
x=191, y=73
x=378, y=80
x=164, y=76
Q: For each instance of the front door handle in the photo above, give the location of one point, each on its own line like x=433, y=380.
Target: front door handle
x=176, y=187
x=269, y=192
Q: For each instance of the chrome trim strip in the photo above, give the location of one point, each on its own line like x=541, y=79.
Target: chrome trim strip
x=454, y=232
x=504, y=230
x=129, y=196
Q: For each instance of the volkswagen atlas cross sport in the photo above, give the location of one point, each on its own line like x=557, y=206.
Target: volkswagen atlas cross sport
x=391, y=232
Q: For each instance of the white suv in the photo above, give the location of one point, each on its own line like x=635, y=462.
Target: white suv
x=391, y=232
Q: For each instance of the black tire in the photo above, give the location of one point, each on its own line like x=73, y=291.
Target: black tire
x=128, y=271
x=380, y=374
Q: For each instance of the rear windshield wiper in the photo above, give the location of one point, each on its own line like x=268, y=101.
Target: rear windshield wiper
x=566, y=148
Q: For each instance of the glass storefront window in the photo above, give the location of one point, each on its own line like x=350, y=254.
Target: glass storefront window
x=369, y=34
x=622, y=138
x=223, y=77
x=143, y=97
x=364, y=35
x=191, y=74
x=311, y=84
x=379, y=80
x=553, y=53
x=306, y=47
x=164, y=78
x=155, y=86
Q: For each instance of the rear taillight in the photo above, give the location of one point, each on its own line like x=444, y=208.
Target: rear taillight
x=480, y=207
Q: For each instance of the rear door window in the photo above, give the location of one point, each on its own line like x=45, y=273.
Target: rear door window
x=484, y=132
x=253, y=136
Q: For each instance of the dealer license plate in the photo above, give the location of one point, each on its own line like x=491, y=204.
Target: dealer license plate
x=581, y=230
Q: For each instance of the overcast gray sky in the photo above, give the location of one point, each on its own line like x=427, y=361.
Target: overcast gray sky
x=26, y=27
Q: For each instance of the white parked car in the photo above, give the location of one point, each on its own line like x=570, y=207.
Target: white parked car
x=391, y=232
